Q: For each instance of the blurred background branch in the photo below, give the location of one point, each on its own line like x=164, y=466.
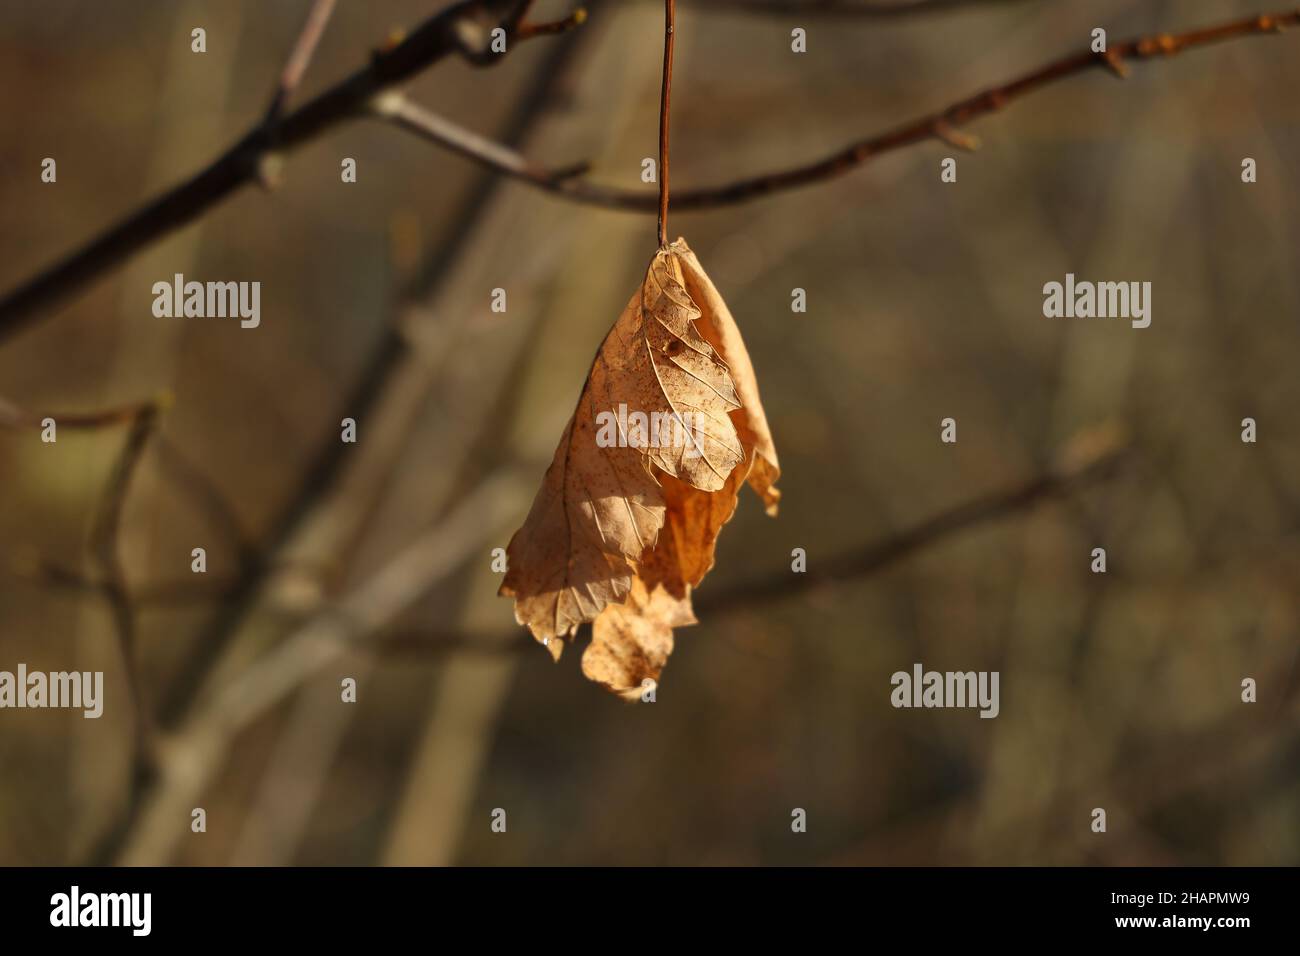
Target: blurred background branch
x=1093, y=457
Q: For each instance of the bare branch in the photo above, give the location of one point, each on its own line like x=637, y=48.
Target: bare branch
x=105, y=546
x=875, y=557
x=395, y=108
x=185, y=591
x=941, y=125
x=463, y=28
x=180, y=592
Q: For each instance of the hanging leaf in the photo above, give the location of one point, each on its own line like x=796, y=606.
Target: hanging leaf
x=667, y=428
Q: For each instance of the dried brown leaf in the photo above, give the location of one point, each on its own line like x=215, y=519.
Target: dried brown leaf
x=620, y=535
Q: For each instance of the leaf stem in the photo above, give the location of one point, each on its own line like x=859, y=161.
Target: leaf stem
x=670, y=18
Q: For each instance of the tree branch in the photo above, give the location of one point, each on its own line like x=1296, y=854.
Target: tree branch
x=1092, y=457
x=15, y=418
x=860, y=562
x=864, y=9
x=332, y=496
x=185, y=475
x=464, y=28
x=941, y=125
x=197, y=748
x=105, y=546
x=395, y=108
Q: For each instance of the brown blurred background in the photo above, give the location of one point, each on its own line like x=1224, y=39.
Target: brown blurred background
x=1119, y=691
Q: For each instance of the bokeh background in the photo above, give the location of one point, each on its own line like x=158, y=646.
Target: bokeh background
x=1119, y=691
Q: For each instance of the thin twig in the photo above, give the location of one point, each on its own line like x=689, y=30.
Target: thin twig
x=463, y=28
x=866, y=9
x=105, y=546
x=670, y=17
x=296, y=66
x=394, y=107
x=15, y=417
x=941, y=125
x=178, y=592
x=186, y=591
x=527, y=30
